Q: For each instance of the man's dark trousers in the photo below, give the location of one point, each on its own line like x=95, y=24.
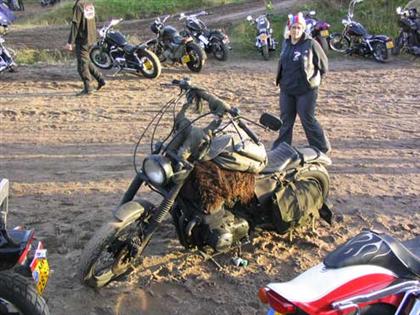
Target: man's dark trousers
x=303, y=105
x=85, y=67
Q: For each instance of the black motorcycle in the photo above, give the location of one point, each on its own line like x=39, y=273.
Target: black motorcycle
x=113, y=50
x=212, y=41
x=18, y=264
x=281, y=189
x=264, y=41
x=170, y=45
x=355, y=39
x=408, y=39
x=7, y=55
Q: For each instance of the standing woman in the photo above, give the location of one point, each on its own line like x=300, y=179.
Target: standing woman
x=302, y=65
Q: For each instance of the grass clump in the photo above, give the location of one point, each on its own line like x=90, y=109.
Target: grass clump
x=33, y=56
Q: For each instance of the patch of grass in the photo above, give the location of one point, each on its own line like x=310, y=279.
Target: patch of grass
x=32, y=56
x=126, y=9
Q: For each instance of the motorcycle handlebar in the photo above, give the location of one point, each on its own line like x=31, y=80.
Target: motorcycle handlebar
x=217, y=106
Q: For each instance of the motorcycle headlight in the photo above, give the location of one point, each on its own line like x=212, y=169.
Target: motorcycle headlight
x=158, y=169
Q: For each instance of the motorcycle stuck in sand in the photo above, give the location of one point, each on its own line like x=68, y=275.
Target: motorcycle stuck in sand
x=217, y=182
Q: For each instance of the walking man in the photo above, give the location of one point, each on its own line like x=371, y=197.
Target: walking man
x=83, y=36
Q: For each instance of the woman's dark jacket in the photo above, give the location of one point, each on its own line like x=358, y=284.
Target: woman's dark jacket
x=301, y=66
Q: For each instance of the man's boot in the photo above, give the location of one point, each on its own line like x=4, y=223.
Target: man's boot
x=101, y=84
x=86, y=90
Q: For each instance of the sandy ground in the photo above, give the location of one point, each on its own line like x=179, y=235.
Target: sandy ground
x=69, y=160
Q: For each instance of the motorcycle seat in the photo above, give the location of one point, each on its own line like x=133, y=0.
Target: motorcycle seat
x=129, y=49
x=281, y=158
x=310, y=154
x=369, y=248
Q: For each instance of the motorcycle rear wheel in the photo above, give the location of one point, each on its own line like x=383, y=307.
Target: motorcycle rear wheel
x=100, y=244
x=323, y=42
x=378, y=309
x=198, y=57
x=398, y=44
x=18, y=296
x=151, y=65
x=220, y=50
x=100, y=58
x=380, y=52
x=339, y=43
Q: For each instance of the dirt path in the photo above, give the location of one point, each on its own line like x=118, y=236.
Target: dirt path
x=54, y=37
x=69, y=160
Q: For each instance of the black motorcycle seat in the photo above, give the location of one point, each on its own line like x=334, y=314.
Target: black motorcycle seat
x=281, y=158
x=129, y=49
x=370, y=248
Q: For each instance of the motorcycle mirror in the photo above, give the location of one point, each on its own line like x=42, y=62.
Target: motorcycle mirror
x=270, y=121
x=249, y=18
x=399, y=10
x=312, y=12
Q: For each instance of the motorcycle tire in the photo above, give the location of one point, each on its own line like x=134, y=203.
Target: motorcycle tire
x=398, y=44
x=151, y=65
x=339, y=43
x=378, y=309
x=323, y=42
x=380, y=52
x=319, y=173
x=100, y=59
x=18, y=296
x=198, y=55
x=220, y=50
x=264, y=52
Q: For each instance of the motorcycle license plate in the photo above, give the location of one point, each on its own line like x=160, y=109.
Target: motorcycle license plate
x=263, y=37
x=186, y=58
x=40, y=268
x=389, y=45
x=325, y=33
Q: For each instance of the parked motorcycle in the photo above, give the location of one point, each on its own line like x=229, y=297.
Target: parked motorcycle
x=113, y=50
x=7, y=56
x=289, y=175
x=170, y=45
x=264, y=41
x=355, y=39
x=317, y=29
x=212, y=41
x=370, y=274
x=20, y=260
x=408, y=39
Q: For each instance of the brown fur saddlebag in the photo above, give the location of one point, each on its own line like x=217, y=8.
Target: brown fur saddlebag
x=296, y=204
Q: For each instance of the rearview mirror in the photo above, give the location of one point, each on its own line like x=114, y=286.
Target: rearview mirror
x=399, y=10
x=270, y=121
x=249, y=18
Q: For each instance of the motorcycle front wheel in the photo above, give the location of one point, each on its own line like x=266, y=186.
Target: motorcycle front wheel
x=220, y=50
x=106, y=256
x=100, y=58
x=339, y=43
x=380, y=52
x=197, y=56
x=151, y=68
x=18, y=296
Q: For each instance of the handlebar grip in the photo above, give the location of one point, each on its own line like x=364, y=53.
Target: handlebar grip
x=249, y=132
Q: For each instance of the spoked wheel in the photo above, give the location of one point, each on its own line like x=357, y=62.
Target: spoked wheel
x=339, y=43
x=100, y=58
x=220, y=50
x=109, y=254
x=380, y=52
x=151, y=65
x=196, y=57
x=264, y=52
x=19, y=297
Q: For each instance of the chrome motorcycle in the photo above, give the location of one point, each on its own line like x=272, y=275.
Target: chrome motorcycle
x=172, y=170
x=264, y=41
x=113, y=50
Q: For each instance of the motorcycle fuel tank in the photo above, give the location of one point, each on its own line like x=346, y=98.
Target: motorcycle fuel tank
x=117, y=38
x=357, y=29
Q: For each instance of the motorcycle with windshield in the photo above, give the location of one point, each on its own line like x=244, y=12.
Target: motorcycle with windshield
x=264, y=40
x=317, y=29
x=20, y=261
x=170, y=45
x=355, y=39
x=371, y=274
x=286, y=187
x=212, y=41
x=408, y=40
x=113, y=50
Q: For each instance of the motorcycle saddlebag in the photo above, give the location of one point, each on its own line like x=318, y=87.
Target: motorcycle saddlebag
x=296, y=204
